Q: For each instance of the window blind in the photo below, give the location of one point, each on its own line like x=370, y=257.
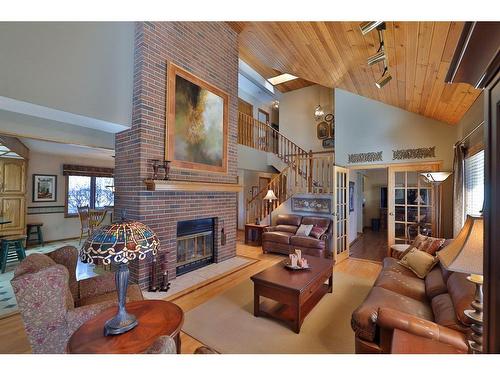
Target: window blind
x=474, y=184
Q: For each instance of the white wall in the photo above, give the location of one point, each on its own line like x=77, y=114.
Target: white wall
x=296, y=113
x=84, y=68
x=365, y=125
x=55, y=225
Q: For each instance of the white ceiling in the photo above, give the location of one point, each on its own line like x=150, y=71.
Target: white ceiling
x=54, y=148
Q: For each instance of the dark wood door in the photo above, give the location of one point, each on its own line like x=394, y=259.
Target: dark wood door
x=491, y=340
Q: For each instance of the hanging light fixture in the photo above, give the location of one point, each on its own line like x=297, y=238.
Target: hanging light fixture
x=384, y=80
x=319, y=111
x=276, y=104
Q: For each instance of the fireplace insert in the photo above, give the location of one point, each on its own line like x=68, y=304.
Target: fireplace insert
x=195, y=244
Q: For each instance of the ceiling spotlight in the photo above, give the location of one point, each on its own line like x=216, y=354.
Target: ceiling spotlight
x=375, y=59
x=384, y=80
x=366, y=27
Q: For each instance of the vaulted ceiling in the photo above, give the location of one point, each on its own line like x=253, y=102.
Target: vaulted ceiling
x=334, y=54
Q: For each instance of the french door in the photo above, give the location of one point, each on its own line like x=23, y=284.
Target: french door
x=411, y=201
x=340, y=214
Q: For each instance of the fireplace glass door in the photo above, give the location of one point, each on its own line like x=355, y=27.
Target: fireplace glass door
x=195, y=245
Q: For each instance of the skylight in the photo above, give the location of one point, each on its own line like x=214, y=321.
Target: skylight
x=5, y=152
x=282, y=78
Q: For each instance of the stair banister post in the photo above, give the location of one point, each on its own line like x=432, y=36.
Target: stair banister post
x=310, y=175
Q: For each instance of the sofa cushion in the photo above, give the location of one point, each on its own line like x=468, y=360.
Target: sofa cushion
x=317, y=232
x=420, y=262
x=322, y=222
x=289, y=220
x=391, y=264
x=409, y=286
x=286, y=228
x=461, y=292
x=431, y=245
x=364, y=318
x=279, y=237
x=304, y=230
x=444, y=313
x=434, y=283
x=307, y=242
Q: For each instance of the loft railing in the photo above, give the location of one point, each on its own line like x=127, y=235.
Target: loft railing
x=261, y=136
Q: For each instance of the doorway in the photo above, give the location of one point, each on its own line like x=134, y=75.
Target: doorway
x=370, y=214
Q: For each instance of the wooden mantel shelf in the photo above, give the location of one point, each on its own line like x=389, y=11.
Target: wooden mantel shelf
x=171, y=185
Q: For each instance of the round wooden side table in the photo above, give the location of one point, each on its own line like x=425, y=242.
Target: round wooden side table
x=156, y=318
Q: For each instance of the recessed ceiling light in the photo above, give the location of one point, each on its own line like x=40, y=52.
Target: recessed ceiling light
x=282, y=78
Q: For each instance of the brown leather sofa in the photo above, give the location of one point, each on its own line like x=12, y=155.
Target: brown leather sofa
x=432, y=308
x=281, y=237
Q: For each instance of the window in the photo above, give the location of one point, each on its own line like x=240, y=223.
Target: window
x=474, y=184
x=95, y=192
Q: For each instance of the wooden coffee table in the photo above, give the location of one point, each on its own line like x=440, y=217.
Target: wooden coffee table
x=156, y=318
x=297, y=292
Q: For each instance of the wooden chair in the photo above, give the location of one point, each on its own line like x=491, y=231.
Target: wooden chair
x=90, y=219
x=10, y=248
x=83, y=215
x=96, y=217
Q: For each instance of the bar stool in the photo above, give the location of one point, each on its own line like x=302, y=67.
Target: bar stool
x=11, y=246
x=38, y=232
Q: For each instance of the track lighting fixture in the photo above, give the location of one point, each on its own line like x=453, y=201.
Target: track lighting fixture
x=366, y=27
x=378, y=57
x=384, y=80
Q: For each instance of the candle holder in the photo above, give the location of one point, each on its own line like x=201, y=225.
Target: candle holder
x=156, y=168
x=166, y=168
x=165, y=284
x=153, y=285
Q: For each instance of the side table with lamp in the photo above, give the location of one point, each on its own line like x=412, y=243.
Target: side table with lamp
x=118, y=330
x=270, y=197
x=465, y=255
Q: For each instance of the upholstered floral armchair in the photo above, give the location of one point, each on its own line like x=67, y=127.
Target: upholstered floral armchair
x=53, y=304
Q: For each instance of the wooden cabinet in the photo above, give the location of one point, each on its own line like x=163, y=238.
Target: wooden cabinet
x=13, y=208
x=13, y=195
x=12, y=176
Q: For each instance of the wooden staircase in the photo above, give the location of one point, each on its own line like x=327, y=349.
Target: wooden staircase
x=306, y=172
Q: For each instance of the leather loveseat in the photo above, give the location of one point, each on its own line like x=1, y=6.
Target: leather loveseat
x=281, y=238
x=432, y=308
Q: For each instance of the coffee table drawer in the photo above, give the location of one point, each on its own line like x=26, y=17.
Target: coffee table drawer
x=315, y=285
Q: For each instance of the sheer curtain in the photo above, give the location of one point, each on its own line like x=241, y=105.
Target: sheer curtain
x=458, y=189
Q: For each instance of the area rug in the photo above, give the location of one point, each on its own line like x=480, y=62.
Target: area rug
x=226, y=323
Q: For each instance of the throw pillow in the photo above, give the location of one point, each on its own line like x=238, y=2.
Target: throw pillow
x=304, y=230
x=420, y=262
x=317, y=232
x=431, y=245
x=418, y=240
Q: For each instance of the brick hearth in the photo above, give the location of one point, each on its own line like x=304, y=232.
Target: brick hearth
x=209, y=50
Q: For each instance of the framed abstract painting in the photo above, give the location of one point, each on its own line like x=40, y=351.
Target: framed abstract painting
x=197, y=123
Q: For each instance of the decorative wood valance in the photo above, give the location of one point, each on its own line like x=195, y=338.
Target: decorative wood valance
x=82, y=170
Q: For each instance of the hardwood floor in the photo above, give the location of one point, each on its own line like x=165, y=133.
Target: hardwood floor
x=370, y=246
x=14, y=340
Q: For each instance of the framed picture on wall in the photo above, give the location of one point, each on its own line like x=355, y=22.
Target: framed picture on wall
x=351, y=196
x=322, y=130
x=44, y=188
x=255, y=191
x=197, y=122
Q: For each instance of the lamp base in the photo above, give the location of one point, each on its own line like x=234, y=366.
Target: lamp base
x=121, y=323
x=476, y=316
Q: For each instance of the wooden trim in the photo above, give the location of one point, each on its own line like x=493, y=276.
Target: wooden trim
x=172, y=185
x=173, y=71
x=491, y=267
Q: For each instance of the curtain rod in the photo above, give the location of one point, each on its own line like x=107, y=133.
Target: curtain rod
x=469, y=134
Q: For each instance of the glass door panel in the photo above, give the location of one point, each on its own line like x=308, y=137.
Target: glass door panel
x=411, y=203
x=341, y=214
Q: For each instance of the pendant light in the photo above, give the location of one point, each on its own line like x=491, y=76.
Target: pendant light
x=318, y=111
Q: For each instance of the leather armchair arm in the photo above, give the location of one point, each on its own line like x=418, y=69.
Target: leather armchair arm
x=270, y=229
x=97, y=285
x=388, y=319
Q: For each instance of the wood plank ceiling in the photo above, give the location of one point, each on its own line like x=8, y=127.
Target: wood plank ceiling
x=333, y=54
